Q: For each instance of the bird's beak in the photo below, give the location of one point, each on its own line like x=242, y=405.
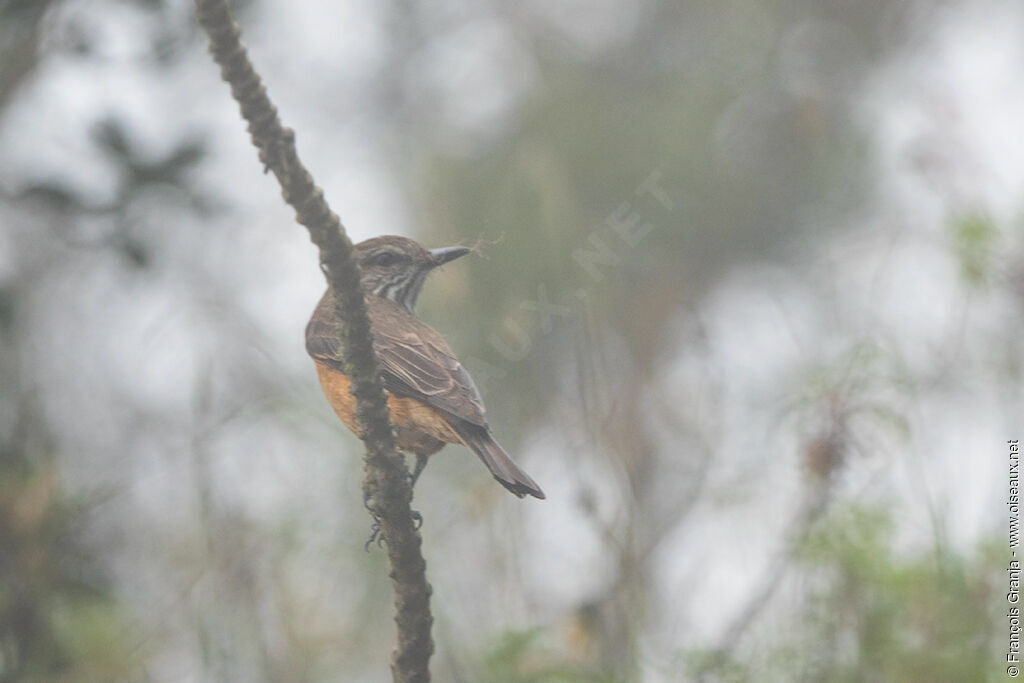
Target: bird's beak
x=443, y=255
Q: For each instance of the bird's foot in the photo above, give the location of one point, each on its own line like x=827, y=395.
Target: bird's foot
x=375, y=531
x=375, y=535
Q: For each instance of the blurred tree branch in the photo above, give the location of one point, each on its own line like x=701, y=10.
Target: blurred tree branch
x=386, y=487
x=19, y=43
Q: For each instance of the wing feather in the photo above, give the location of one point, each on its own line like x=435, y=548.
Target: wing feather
x=416, y=362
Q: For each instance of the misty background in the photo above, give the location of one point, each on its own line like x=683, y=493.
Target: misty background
x=747, y=306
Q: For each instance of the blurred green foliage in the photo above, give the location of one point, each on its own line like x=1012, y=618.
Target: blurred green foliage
x=975, y=238
x=742, y=161
x=872, y=612
x=58, y=620
x=522, y=657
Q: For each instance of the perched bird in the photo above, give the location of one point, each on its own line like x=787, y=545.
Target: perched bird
x=432, y=399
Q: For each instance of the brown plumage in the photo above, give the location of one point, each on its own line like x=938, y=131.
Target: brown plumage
x=433, y=400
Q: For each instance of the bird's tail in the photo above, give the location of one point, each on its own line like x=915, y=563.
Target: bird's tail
x=504, y=469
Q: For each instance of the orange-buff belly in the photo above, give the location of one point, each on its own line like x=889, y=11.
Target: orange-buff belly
x=418, y=427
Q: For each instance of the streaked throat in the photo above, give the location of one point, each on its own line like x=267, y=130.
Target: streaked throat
x=406, y=290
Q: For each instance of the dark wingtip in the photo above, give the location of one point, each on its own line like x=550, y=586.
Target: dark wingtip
x=522, y=490
x=503, y=468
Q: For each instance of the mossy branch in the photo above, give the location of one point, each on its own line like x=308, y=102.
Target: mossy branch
x=386, y=485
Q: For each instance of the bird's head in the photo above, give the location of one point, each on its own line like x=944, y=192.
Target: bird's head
x=395, y=267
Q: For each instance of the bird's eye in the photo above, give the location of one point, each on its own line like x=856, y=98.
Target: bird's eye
x=384, y=259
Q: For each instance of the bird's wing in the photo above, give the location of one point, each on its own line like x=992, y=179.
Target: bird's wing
x=415, y=360
x=322, y=334
x=418, y=363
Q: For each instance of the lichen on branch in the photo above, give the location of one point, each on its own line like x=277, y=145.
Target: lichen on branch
x=386, y=484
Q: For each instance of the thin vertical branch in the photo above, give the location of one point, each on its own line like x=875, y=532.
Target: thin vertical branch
x=386, y=486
